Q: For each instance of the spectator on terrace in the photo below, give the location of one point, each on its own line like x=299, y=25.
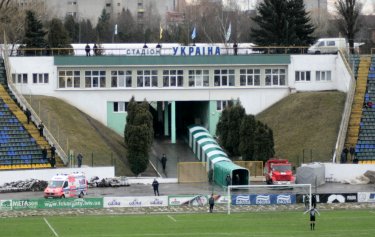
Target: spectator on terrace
x=369, y=104
x=40, y=128
x=44, y=153
x=95, y=49
x=87, y=49
x=352, y=152
x=53, y=151
x=346, y=152
x=235, y=48
x=28, y=115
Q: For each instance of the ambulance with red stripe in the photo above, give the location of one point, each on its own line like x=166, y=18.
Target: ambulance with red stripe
x=67, y=185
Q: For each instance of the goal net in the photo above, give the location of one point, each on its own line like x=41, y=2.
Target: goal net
x=249, y=195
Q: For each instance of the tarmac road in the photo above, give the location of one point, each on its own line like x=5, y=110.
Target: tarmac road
x=176, y=153
x=185, y=189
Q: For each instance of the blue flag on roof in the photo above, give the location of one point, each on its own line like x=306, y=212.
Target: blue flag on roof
x=194, y=34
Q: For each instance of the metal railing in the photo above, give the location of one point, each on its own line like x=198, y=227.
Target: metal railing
x=23, y=102
x=155, y=52
x=347, y=110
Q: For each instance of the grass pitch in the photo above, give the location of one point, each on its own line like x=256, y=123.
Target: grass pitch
x=264, y=224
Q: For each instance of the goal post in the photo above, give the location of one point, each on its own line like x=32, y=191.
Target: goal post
x=245, y=195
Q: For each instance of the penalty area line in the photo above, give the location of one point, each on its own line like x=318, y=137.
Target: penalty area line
x=50, y=227
x=171, y=217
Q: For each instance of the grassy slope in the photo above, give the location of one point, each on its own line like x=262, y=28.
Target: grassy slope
x=84, y=134
x=307, y=121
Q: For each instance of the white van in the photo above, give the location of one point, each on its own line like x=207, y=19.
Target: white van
x=328, y=45
x=66, y=185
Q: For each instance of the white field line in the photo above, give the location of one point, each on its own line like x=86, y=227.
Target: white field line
x=51, y=228
x=171, y=217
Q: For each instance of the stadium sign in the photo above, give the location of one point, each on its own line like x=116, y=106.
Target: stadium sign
x=264, y=199
x=196, y=51
x=366, y=197
x=159, y=201
x=188, y=200
x=24, y=204
x=142, y=52
x=71, y=203
x=336, y=198
x=5, y=205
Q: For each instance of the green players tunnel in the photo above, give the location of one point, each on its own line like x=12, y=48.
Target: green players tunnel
x=172, y=118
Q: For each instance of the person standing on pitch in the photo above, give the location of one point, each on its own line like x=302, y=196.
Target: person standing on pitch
x=313, y=211
x=211, y=202
x=155, y=185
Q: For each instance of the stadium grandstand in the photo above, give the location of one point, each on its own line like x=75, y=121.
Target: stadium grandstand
x=184, y=85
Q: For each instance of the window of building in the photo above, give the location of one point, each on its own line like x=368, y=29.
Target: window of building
x=275, y=77
x=173, y=78
x=221, y=104
x=224, y=77
x=108, y=5
x=20, y=78
x=72, y=3
x=199, y=78
x=94, y=79
x=119, y=107
x=147, y=78
x=140, y=15
x=69, y=79
x=118, y=4
x=40, y=78
x=73, y=14
x=121, y=78
x=303, y=76
x=323, y=75
x=250, y=77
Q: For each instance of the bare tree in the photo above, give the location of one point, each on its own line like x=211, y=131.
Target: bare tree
x=12, y=18
x=348, y=13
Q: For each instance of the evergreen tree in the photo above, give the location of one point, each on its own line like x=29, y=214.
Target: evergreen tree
x=87, y=32
x=263, y=145
x=222, y=128
x=283, y=23
x=241, y=134
x=72, y=27
x=127, y=28
x=236, y=114
x=247, y=137
x=301, y=21
x=104, y=28
x=57, y=35
x=34, y=33
x=138, y=135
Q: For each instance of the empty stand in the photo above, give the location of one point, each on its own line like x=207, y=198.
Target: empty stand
x=365, y=147
x=357, y=106
x=20, y=143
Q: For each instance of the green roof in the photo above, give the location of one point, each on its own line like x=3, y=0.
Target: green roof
x=253, y=59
